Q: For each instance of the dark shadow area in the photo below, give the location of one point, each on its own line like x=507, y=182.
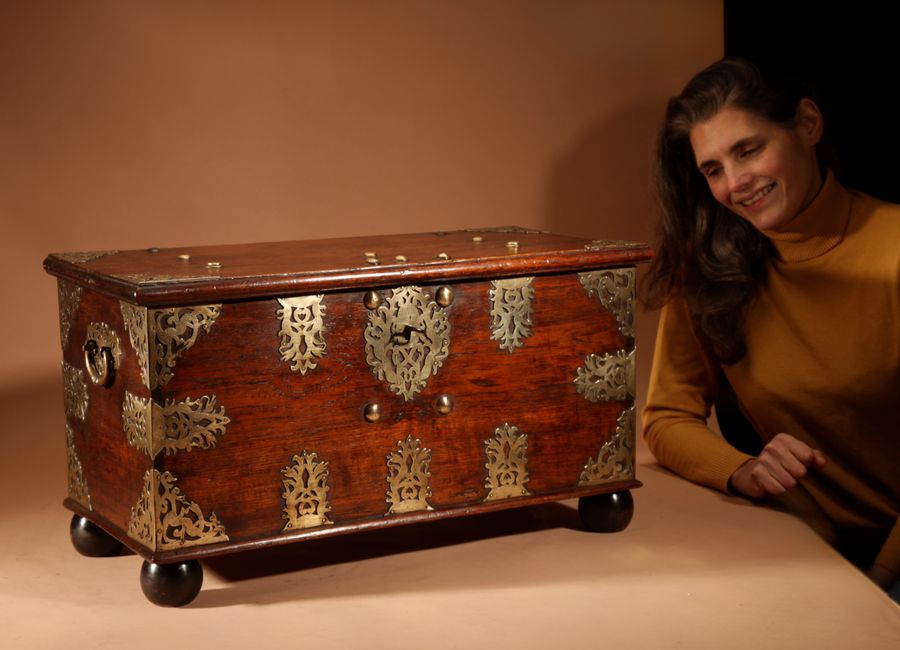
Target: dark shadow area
x=848, y=53
x=356, y=547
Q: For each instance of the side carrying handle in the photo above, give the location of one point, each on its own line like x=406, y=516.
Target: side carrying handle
x=102, y=354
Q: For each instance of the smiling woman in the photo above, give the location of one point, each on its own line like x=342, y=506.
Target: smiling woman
x=759, y=170
x=763, y=259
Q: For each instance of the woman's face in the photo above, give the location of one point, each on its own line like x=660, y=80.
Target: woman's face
x=760, y=170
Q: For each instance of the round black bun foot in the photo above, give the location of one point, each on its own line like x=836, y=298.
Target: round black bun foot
x=606, y=513
x=171, y=585
x=91, y=540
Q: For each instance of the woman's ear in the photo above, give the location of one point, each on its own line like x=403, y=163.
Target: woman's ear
x=809, y=122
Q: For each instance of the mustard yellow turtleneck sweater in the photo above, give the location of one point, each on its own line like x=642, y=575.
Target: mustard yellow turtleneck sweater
x=822, y=364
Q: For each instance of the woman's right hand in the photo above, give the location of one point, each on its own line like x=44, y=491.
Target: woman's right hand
x=777, y=468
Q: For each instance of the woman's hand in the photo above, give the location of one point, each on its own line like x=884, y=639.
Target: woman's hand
x=777, y=468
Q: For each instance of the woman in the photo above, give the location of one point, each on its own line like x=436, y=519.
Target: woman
x=773, y=275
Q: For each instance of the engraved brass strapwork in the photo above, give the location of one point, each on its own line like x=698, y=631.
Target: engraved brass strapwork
x=408, y=477
x=69, y=299
x=407, y=339
x=444, y=296
x=615, y=462
x=606, y=378
x=612, y=244
x=511, y=309
x=507, y=464
x=615, y=290
x=78, y=489
x=305, y=492
x=136, y=323
x=174, y=426
x=164, y=519
x=372, y=412
x=83, y=258
x=102, y=353
x=302, y=327
x=160, y=336
x=74, y=391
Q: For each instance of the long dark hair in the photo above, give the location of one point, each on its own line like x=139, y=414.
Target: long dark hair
x=705, y=253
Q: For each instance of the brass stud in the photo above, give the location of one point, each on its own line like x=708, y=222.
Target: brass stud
x=443, y=404
x=153, y=250
x=477, y=239
x=512, y=244
x=214, y=265
x=372, y=300
x=372, y=412
x=184, y=257
x=370, y=254
x=444, y=296
x=400, y=258
x=373, y=260
x=443, y=256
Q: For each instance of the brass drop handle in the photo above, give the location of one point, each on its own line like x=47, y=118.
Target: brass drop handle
x=101, y=366
x=102, y=354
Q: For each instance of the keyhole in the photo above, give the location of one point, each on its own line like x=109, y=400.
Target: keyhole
x=404, y=337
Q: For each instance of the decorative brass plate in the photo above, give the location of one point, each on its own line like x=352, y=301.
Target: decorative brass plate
x=408, y=477
x=164, y=519
x=615, y=462
x=507, y=465
x=136, y=323
x=69, y=299
x=75, y=393
x=407, y=340
x=305, y=492
x=160, y=336
x=511, y=308
x=606, y=378
x=302, y=325
x=615, y=290
x=173, y=427
x=78, y=489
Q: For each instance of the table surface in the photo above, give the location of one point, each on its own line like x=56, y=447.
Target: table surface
x=696, y=569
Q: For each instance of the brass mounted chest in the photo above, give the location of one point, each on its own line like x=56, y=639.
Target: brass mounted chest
x=231, y=397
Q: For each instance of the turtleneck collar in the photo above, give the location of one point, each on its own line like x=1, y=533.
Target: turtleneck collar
x=819, y=228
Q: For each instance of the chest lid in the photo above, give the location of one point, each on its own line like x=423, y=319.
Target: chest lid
x=159, y=277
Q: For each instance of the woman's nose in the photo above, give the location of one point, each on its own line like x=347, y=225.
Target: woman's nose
x=739, y=180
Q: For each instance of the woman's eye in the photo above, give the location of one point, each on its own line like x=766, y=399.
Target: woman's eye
x=712, y=173
x=749, y=152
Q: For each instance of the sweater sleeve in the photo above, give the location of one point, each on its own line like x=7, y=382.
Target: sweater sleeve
x=683, y=388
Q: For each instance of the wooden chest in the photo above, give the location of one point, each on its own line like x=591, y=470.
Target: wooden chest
x=232, y=397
